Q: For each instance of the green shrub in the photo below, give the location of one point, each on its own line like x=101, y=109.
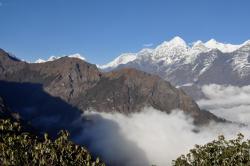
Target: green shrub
x=219, y=152
x=22, y=148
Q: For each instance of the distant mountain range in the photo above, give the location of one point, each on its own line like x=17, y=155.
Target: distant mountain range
x=190, y=66
x=52, y=95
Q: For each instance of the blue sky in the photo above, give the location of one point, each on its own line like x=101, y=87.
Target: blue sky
x=103, y=29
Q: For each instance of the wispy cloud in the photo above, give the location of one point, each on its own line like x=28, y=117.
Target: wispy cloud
x=1, y=4
x=148, y=45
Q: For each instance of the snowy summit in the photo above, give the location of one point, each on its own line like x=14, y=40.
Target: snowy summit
x=52, y=58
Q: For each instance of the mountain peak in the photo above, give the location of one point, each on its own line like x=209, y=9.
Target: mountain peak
x=197, y=47
x=8, y=55
x=52, y=58
x=197, y=43
x=77, y=55
x=122, y=59
x=145, y=50
x=211, y=41
x=177, y=41
x=213, y=44
x=173, y=43
x=246, y=42
x=40, y=60
x=170, y=50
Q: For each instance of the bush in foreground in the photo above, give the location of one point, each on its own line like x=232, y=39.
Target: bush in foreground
x=22, y=148
x=220, y=152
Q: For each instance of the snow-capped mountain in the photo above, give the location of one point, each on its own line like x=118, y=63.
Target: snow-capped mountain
x=122, y=59
x=52, y=58
x=174, y=50
x=213, y=44
x=170, y=51
x=191, y=66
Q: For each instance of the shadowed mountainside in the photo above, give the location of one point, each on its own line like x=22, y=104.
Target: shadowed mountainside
x=34, y=106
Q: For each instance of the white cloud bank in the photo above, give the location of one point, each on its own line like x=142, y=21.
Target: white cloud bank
x=229, y=102
x=146, y=138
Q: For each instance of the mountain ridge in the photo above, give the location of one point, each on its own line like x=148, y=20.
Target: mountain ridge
x=83, y=86
x=165, y=48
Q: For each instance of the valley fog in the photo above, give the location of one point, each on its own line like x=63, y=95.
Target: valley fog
x=154, y=137
x=229, y=102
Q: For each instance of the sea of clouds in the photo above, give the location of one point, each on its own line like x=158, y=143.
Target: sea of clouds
x=154, y=137
x=229, y=102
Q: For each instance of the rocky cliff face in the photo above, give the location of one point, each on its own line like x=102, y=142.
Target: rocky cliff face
x=28, y=87
x=65, y=78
